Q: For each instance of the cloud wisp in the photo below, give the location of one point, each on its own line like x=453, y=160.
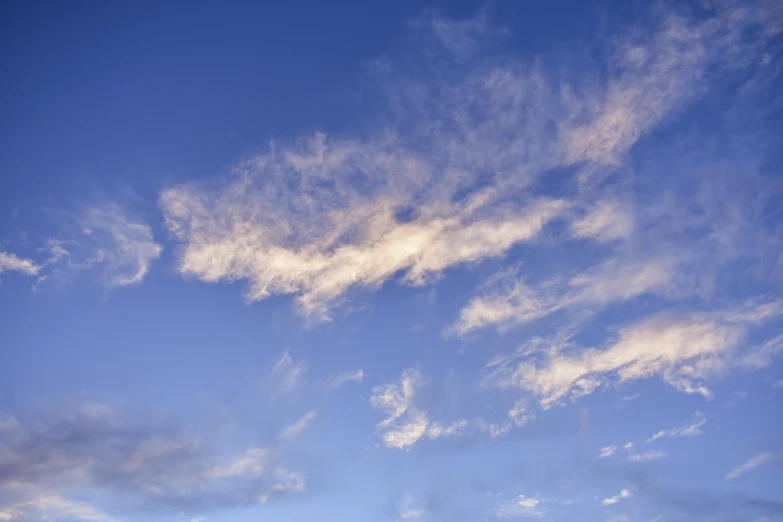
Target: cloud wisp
x=759, y=460
x=45, y=460
x=321, y=215
x=12, y=263
x=616, y=498
x=404, y=424
x=683, y=349
x=691, y=429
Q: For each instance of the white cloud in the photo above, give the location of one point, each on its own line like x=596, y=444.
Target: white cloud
x=396, y=398
x=411, y=508
x=615, y=499
x=690, y=429
x=122, y=246
x=294, y=430
x=54, y=507
x=759, y=460
x=606, y=221
x=11, y=513
x=404, y=435
x=405, y=424
x=12, y=263
x=607, y=451
x=452, y=177
x=253, y=462
x=684, y=350
x=435, y=430
x=520, y=414
x=287, y=374
x=516, y=302
x=763, y=357
x=523, y=506
x=364, y=246
x=105, y=239
x=647, y=456
x=337, y=381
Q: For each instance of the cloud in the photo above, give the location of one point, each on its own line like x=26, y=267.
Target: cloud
x=691, y=429
x=683, y=349
x=297, y=428
x=287, y=374
x=405, y=424
x=763, y=357
x=106, y=240
x=411, y=508
x=54, y=507
x=361, y=246
x=396, y=399
x=647, y=456
x=320, y=215
x=153, y=467
x=123, y=247
x=337, y=381
x=523, y=506
x=515, y=302
x=606, y=221
x=759, y=460
x=615, y=499
x=671, y=236
x=12, y=263
x=607, y=451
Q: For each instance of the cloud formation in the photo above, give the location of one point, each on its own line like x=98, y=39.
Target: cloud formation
x=338, y=381
x=123, y=247
x=105, y=241
x=690, y=429
x=456, y=174
x=523, y=506
x=297, y=428
x=12, y=263
x=753, y=463
x=616, y=498
x=683, y=349
x=45, y=460
x=405, y=424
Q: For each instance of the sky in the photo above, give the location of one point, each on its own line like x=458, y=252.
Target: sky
x=391, y=261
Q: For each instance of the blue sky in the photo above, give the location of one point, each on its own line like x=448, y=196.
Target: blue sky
x=393, y=261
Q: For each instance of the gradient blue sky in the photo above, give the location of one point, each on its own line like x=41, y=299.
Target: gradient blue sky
x=401, y=261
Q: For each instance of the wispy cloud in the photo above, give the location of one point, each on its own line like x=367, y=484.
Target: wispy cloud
x=607, y=451
x=152, y=465
x=646, y=456
x=297, y=428
x=54, y=507
x=411, y=508
x=405, y=424
x=684, y=350
x=615, y=499
x=12, y=263
x=759, y=460
x=523, y=506
x=690, y=429
x=123, y=247
x=338, y=381
x=106, y=241
x=287, y=374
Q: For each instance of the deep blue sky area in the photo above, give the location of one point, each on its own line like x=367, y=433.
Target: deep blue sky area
x=391, y=261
